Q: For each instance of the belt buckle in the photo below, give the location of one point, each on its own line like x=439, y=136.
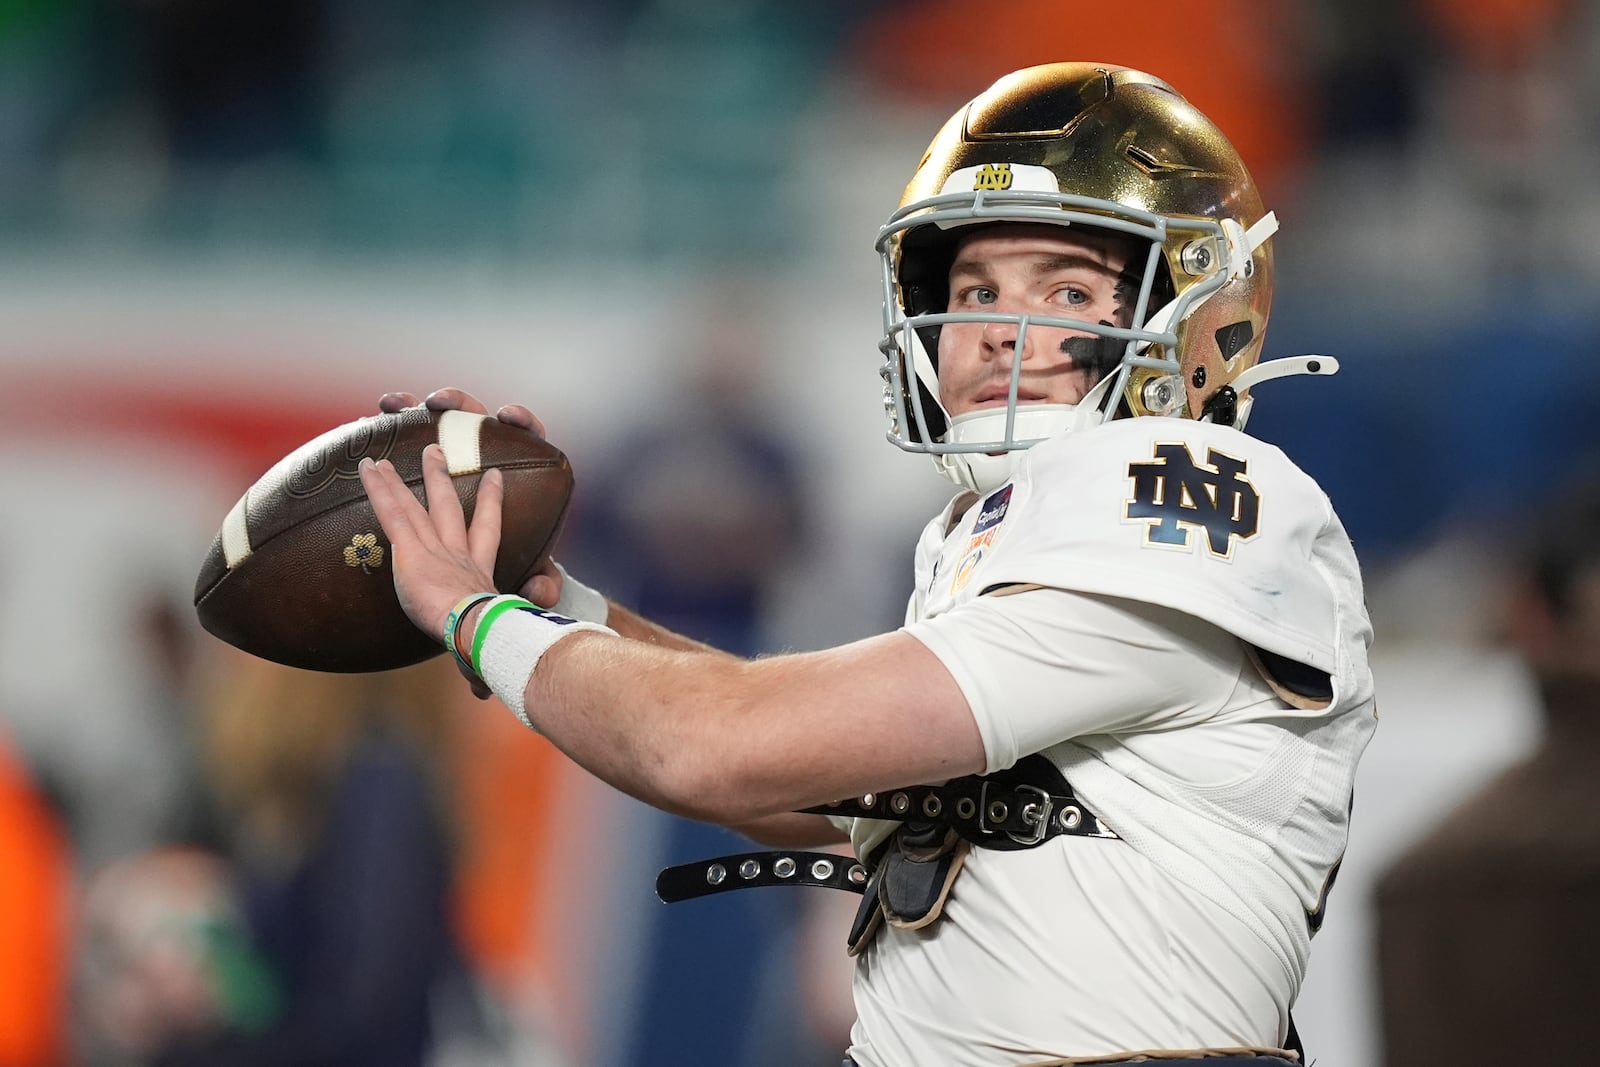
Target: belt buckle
x=983, y=808
x=1040, y=823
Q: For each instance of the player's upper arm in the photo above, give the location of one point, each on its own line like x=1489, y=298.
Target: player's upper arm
x=1045, y=665
x=731, y=741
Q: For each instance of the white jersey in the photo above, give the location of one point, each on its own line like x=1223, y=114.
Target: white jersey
x=1129, y=570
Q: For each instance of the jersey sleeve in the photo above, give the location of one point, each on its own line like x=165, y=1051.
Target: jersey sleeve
x=1189, y=516
x=1046, y=665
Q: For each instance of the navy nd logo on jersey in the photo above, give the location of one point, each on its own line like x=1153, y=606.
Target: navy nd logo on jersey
x=1176, y=495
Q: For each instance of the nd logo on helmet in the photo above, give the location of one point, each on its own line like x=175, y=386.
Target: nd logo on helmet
x=993, y=176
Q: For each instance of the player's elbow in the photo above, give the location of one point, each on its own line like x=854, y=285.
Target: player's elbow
x=792, y=830
x=718, y=772
x=710, y=786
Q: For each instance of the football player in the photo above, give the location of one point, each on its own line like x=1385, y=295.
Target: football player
x=1099, y=783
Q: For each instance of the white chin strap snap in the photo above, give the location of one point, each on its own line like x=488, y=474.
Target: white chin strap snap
x=1287, y=367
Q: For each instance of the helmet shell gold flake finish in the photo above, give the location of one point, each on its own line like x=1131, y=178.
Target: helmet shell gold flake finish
x=1107, y=148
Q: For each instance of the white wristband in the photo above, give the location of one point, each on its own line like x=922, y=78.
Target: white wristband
x=512, y=648
x=580, y=602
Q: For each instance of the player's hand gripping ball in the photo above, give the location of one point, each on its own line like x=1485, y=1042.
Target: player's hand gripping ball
x=301, y=572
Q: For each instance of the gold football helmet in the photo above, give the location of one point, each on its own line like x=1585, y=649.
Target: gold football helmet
x=1113, y=149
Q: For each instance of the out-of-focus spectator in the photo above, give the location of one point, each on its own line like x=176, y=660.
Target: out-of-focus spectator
x=35, y=893
x=1488, y=927
x=181, y=805
x=336, y=802
x=694, y=518
x=163, y=957
x=695, y=514
x=123, y=774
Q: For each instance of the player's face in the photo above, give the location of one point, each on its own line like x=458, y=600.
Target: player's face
x=1028, y=270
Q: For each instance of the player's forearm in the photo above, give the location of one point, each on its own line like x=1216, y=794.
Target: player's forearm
x=631, y=624
x=668, y=725
x=731, y=741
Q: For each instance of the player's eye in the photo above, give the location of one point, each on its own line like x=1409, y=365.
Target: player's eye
x=1072, y=296
x=978, y=294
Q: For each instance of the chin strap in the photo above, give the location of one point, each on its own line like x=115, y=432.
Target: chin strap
x=1227, y=409
x=1242, y=243
x=1285, y=367
x=1094, y=407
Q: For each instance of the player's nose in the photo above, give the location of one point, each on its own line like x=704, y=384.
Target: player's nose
x=1001, y=338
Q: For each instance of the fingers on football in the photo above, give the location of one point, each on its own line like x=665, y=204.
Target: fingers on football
x=452, y=399
x=389, y=403
x=519, y=416
x=444, y=507
x=392, y=502
x=544, y=588
x=483, y=538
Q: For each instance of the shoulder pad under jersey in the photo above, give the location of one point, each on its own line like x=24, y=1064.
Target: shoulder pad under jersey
x=1187, y=515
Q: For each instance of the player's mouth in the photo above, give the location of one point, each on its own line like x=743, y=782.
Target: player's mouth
x=1000, y=394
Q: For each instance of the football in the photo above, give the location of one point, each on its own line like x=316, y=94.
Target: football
x=300, y=572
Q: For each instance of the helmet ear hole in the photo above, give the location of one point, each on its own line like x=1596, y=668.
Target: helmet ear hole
x=1232, y=338
x=1221, y=406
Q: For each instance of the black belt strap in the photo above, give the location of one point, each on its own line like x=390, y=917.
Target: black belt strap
x=1020, y=807
x=989, y=816
x=746, y=870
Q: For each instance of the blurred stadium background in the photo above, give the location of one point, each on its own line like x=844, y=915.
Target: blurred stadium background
x=225, y=227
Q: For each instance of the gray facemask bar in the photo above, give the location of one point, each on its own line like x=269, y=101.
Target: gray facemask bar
x=1058, y=209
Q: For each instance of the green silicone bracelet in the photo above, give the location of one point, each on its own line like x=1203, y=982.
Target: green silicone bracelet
x=491, y=613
